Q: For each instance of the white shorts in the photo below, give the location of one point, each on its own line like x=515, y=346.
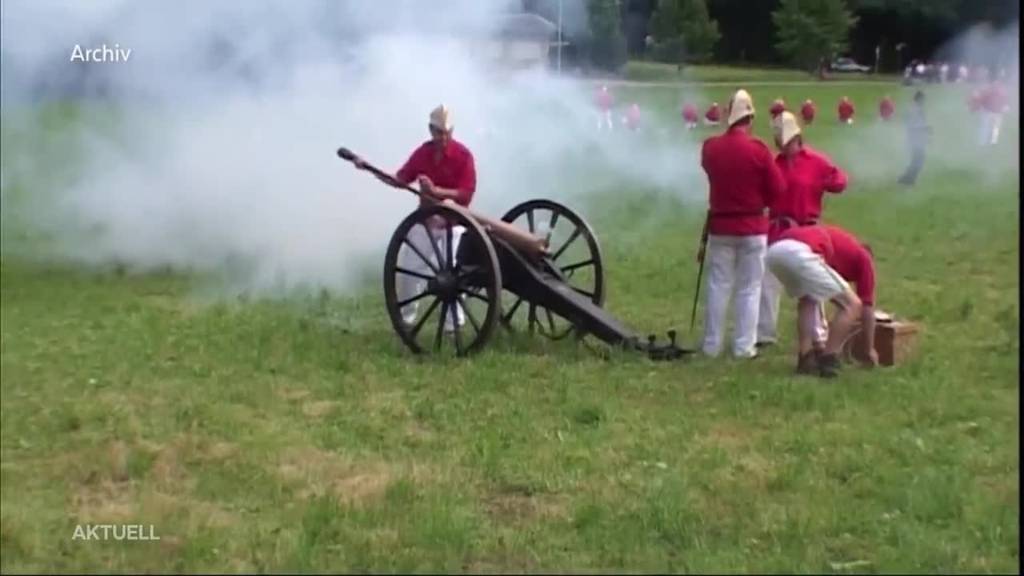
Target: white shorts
x=803, y=272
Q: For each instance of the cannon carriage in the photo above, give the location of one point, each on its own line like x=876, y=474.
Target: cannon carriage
x=539, y=269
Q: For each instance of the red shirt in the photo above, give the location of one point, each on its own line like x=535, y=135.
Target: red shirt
x=455, y=169
x=845, y=110
x=604, y=99
x=843, y=253
x=808, y=176
x=714, y=114
x=974, y=101
x=993, y=98
x=690, y=113
x=743, y=182
x=886, y=108
x=807, y=111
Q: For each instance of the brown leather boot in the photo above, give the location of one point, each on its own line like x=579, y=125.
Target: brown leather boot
x=807, y=364
x=828, y=365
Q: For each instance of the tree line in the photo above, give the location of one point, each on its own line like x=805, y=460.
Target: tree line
x=797, y=33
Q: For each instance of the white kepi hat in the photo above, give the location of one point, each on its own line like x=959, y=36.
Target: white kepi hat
x=785, y=127
x=441, y=118
x=740, y=106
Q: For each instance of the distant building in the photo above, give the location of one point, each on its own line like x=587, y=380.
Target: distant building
x=522, y=41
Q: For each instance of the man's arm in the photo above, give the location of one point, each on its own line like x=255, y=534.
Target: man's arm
x=867, y=333
x=835, y=179
x=775, y=185
x=463, y=193
x=866, y=292
x=409, y=171
x=383, y=177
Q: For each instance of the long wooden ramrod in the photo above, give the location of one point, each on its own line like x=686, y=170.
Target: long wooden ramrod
x=532, y=246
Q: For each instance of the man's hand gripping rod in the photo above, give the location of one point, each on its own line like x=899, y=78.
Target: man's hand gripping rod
x=523, y=241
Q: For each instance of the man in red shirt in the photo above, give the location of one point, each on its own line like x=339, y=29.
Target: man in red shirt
x=713, y=116
x=807, y=111
x=808, y=174
x=815, y=264
x=690, y=116
x=974, y=100
x=445, y=171
x=846, y=110
x=743, y=181
x=886, y=108
x=604, y=101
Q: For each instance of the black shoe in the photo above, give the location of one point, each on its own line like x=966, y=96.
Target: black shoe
x=765, y=344
x=828, y=365
x=807, y=364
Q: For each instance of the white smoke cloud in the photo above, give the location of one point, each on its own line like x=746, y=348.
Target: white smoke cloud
x=880, y=150
x=228, y=116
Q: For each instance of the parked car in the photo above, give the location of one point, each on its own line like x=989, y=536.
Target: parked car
x=848, y=65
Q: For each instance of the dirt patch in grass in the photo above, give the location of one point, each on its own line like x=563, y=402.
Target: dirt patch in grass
x=318, y=472
x=104, y=502
x=519, y=508
x=107, y=493
x=293, y=393
x=319, y=409
x=517, y=504
x=728, y=436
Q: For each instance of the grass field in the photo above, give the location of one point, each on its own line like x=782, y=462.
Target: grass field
x=644, y=71
x=297, y=435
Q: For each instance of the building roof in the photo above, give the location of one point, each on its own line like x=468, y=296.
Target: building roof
x=526, y=27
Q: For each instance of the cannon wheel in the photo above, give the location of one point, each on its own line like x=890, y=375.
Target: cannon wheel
x=470, y=283
x=576, y=253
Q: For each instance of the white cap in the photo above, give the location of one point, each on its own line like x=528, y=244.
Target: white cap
x=785, y=127
x=740, y=106
x=440, y=118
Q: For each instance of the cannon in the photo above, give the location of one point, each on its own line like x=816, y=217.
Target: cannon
x=473, y=274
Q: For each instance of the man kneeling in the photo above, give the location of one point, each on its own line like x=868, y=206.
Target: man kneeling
x=815, y=264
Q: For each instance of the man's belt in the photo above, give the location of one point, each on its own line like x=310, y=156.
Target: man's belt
x=737, y=214
x=786, y=222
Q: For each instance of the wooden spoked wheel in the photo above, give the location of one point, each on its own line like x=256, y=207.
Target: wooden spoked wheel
x=576, y=255
x=442, y=282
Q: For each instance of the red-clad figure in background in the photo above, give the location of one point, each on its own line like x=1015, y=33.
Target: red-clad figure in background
x=690, y=116
x=714, y=115
x=845, y=110
x=886, y=108
x=807, y=111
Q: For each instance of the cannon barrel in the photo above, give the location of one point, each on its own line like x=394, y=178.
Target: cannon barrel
x=529, y=244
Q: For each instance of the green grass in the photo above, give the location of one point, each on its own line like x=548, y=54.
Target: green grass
x=297, y=435
x=645, y=71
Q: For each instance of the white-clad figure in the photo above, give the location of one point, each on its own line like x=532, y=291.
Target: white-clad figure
x=604, y=100
x=993, y=104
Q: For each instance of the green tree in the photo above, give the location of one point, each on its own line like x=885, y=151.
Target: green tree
x=606, y=44
x=808, y=30
x=683, y=30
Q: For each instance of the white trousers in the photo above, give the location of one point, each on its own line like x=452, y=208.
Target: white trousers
x=989, y=129
x=604, y=120
x=804, y=273
x=409, y=286
x=768, y=316
x=735, y=269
